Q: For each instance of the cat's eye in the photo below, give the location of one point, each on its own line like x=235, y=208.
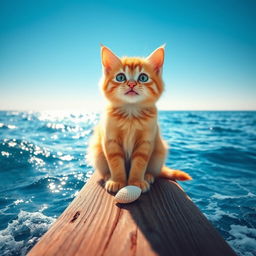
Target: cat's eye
x=120, y=77
x=143, y=78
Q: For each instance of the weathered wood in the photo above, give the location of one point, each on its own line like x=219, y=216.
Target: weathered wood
x=163, y=221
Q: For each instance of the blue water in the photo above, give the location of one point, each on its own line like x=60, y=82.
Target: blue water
x=42, y=167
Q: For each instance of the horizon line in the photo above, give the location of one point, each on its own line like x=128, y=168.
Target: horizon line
x=77, y=110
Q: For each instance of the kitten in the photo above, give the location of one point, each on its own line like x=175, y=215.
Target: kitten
x=126, y=147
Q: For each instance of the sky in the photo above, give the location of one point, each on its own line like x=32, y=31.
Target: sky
x=50, y=51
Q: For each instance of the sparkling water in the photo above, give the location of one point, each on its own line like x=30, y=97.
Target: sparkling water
x=42, y=168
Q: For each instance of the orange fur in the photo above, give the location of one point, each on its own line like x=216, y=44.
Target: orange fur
x=126, y=147
x=174, y=174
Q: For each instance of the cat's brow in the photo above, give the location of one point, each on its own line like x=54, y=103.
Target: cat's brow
x=132, y=66
x=132, y=71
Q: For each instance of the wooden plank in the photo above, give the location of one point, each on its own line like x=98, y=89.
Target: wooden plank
x=163, y=221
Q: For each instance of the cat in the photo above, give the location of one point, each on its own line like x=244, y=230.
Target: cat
x=126, y=147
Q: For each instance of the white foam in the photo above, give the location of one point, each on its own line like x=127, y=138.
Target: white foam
x=220, y=197
x=216, y=213
x=243, y=240
x=30, y=226
x=4, y=153
x=12, y=126
x=66, y=158
x=36, y=161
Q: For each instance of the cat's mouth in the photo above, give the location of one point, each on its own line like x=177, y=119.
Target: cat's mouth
x=131, y=92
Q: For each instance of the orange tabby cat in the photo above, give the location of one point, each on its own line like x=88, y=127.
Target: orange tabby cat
x=126, y=147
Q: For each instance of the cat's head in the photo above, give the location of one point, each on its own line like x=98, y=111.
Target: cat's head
x=132, y=79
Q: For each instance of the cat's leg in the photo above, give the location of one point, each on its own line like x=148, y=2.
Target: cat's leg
x=101, y=164
x=139, y=162
x=156, y=160
x=95, y=155
x=149, y=178
x=115, y=159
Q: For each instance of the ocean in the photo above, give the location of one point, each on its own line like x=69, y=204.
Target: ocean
x=43, y=166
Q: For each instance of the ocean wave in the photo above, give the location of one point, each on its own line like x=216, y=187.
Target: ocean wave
x=223, y=197
x=222, y=129
x=42, y=161
x=21, y=154
x=194, y=116
x=227, y=154
x=53, y=127
x=243, y=240
x=60, y=116
x=7, y=126
x=215, y=213
x=22, y=233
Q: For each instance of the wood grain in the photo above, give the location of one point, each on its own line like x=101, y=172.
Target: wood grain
x=163, y=221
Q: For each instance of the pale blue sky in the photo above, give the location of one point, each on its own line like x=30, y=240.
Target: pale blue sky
x=50, y=53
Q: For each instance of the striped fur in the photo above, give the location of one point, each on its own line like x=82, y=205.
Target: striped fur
x=126, y=147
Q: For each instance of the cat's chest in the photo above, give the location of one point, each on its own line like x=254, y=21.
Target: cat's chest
x=129, y=136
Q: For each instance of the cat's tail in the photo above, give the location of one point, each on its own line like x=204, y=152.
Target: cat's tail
x=168, y=173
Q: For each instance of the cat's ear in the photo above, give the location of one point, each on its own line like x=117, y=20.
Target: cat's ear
x=156, y=58
x=109, y=59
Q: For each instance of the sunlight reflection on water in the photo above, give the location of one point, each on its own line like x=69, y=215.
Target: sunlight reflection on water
x=43, y=166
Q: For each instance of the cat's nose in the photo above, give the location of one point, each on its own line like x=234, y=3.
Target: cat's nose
x=132, y=83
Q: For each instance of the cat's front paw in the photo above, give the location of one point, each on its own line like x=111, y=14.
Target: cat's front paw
x=149, y=178
x=114, y=186
x=144, y=185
